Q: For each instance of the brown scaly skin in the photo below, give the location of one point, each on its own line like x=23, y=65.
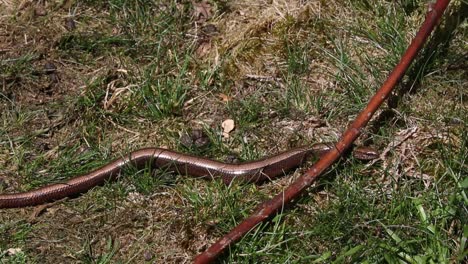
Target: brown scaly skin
x=248, y=172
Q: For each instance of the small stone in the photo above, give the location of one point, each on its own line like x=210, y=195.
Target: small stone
x=147, y=256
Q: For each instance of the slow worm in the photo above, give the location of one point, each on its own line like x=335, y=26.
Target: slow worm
x=248, y=172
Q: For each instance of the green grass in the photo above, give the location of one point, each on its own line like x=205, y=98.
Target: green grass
x=131, y=76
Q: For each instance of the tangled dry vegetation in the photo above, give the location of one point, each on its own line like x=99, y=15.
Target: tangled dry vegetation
x=83, y=82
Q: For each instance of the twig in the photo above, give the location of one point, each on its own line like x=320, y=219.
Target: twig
x=273, y=206
x=262, y=78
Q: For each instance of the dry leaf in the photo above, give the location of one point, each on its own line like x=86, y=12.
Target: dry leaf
x=38, y=210
x=13, y=251
x=67, y=4
x=42, y=209
x=201, y=11
x=224, y=97
x=228, y=126
x=203, y=49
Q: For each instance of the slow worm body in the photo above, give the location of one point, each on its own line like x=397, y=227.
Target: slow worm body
x=249, y=172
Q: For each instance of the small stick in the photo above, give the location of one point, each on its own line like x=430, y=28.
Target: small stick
x=269, y=208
